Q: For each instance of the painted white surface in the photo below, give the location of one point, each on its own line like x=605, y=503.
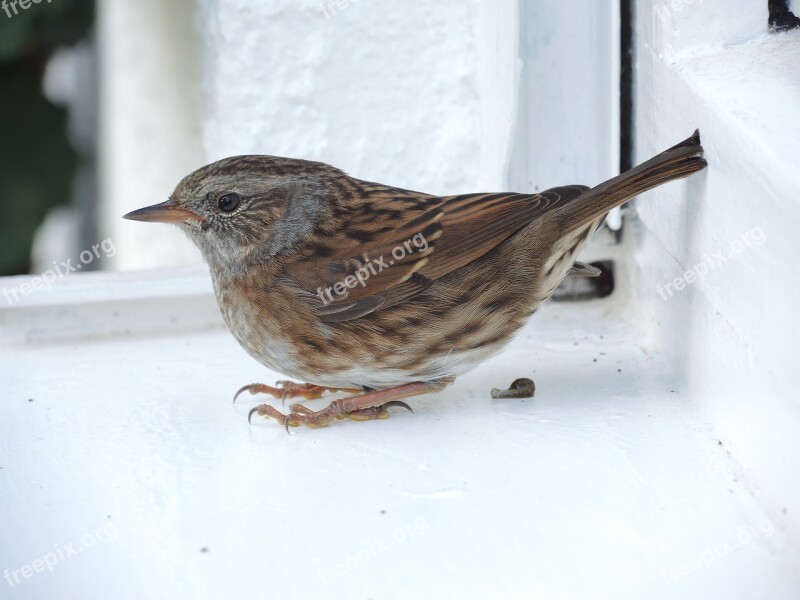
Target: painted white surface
x=387, y=94
x=165, y=301
x=126, y=448
x=150, y=112
x=569, y=99
x=431, y=97
x=568, y=119
x=674, y=478
x=731, y=337
x=410, y=97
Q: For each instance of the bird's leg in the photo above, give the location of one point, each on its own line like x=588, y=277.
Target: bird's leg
x=290, y=389
x=364, y=407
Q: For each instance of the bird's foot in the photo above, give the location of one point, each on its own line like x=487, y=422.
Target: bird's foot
x=302, y=415
x=364, y=407
x=290, y=389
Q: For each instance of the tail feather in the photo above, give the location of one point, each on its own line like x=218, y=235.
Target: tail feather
x=676, y=163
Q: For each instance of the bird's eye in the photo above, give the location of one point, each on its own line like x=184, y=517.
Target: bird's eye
x=229, y=202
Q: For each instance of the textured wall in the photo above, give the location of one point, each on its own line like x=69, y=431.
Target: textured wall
x=443, y=97
x=418, y=96
x=392, y=93
x=716, y=285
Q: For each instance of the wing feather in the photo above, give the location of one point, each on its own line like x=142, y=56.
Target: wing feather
x=369, y=268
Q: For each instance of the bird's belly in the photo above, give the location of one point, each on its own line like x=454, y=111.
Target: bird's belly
x=455, y=364
x=371, y=366
x=376, y=351
x=262, y=338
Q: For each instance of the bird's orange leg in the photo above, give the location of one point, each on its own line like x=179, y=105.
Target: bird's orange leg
x=364, y=407
x=290, y=389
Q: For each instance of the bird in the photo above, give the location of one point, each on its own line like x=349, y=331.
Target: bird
x=379, y=292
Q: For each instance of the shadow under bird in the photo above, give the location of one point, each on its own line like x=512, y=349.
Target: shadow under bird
x=384, y=293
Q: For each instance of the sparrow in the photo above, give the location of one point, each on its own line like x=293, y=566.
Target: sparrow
x=381, y=292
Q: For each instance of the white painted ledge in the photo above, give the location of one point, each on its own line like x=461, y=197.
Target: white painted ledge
x=126, y=447
x=97, y=305
x=730, y=336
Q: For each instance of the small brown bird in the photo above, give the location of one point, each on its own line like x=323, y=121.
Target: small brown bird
x=382, y=292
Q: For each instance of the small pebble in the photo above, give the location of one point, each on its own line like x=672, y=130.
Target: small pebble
x=521, y=388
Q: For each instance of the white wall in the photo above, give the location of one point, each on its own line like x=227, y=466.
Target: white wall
x=732, y=336
x=422, y=97
x=442, y=97
x=568, y=113
x=150, y=112
x=403, y=95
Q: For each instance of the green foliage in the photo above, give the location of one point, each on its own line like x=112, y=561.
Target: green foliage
x=61, y=22
x=36, y=161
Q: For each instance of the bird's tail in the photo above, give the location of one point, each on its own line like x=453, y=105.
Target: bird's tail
x=676, y=163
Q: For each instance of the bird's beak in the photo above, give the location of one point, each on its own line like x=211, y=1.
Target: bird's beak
x=166, y=212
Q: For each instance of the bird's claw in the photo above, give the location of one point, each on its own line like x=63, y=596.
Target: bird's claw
x=399, y=403
x=247, y=388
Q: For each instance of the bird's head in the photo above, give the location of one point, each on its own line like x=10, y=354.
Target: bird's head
x=247, y=208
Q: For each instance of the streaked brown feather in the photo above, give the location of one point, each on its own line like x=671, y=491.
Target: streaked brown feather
x=471, y=230
x=458, y=230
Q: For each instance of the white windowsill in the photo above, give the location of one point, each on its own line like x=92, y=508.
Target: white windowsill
x=729, y=338
x=606, y=484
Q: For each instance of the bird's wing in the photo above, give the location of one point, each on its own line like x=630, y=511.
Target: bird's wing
x=397, y=243
x=474, y=224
